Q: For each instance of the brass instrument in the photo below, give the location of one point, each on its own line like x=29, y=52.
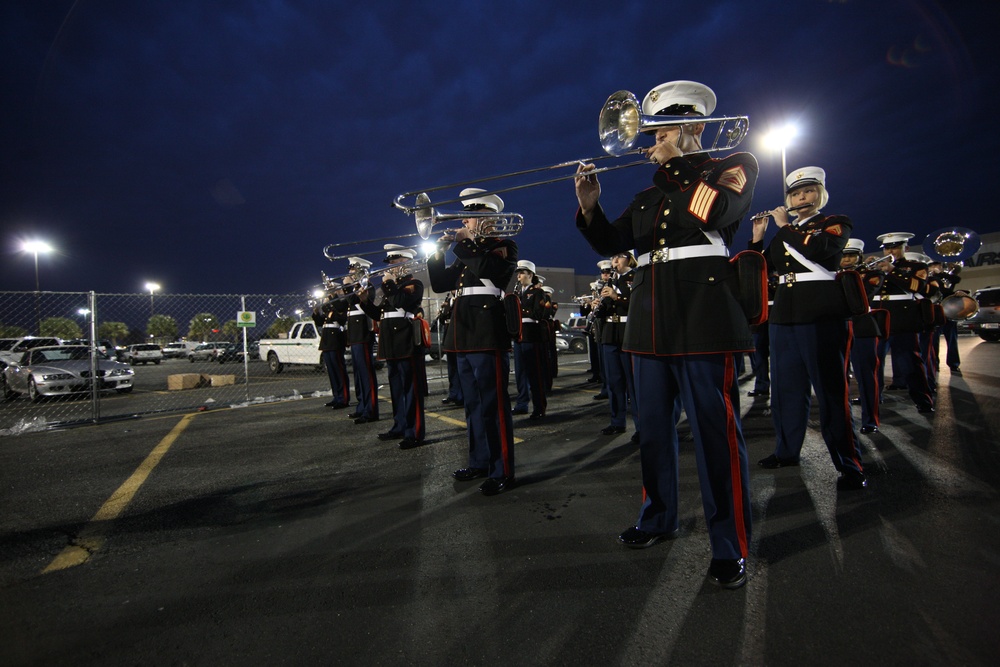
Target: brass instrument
x=874, y=262
x=618, y=127
x=951, y=244
x=498, y=225
x=959, y=306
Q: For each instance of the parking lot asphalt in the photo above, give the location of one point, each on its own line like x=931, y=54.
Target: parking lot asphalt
x=282, y=533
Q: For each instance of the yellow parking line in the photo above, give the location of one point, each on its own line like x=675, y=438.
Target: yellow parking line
x=91, y=537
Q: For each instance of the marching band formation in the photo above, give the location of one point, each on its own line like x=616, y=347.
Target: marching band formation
x=670, y=317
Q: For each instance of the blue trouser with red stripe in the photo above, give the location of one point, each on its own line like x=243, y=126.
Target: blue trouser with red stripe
x=866, y=364
x=407, y=398
x=705, y=385
x=337, y=370
x=813, y=355
x=621, y=385
x=532, y=358
x=365, y=379
x=484, y=377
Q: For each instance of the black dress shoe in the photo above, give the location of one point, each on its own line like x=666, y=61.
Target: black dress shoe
x=757, y=392
x=469, y=474
x=634, y=538
x=409, y=443
x=601, y=397
x=354, y=415
x=535, y=416
x=447, y=401
x=390, y=435
x=773, y=461
x=729, y=573
x=519, y=411
x=869, y=429
x=611, y=430
x=335, y=405
x=592, y=380
x=495, y=485
x=925, y=409
x=954, y=370
x=852, y=479
x=365, y=420
x=896, y=387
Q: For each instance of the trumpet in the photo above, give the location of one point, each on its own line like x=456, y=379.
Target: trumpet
x=767, y=214
x=618, y=127
x=874, y=262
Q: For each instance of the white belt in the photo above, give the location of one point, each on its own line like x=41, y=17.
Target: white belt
x=481, y=291
x=683, y=252
x=615, y=318
x=895, y=297
x=356, y=311
x=791, y=278
x=399, y=312
x=527, y=319
x=332, y=326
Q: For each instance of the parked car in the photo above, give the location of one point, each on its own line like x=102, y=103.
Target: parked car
x=206, y=352
x=986, y=323
x=178, y=350
x=234, y=352
x=144, y=353
x=11, y=349
x=577, y=322
x=63, y=370
x=572, y=340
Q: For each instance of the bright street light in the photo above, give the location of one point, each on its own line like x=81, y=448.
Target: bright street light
x=152, y=287
x=780, y=138
x=35, y=247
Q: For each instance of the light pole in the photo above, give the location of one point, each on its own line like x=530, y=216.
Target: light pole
x=779, y=139
x=35, y=247
x=152, y=287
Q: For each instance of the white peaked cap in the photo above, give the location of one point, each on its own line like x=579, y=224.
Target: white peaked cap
x=469, y=199
x=692, y=94
x=805, y=176
x=525, y=265
x=358, y=261
x=855, y=245
x=894, y=238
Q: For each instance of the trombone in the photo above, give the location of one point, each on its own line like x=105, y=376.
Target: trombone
x=618, y=127
x=498, y=225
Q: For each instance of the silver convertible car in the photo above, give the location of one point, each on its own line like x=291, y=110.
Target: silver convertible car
x=63, y=370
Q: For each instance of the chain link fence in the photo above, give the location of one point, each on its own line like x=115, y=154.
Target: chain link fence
x=95, y=388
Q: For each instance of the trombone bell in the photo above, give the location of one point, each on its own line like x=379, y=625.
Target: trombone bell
x=501, y=225
x=621, y=121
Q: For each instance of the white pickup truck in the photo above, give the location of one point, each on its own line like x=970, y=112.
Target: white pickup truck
x=299, y=346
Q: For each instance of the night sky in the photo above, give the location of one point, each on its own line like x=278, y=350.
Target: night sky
x=217, y=147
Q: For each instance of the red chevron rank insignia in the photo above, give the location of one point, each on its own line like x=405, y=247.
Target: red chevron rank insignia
x=836, y=230
x=733, y=178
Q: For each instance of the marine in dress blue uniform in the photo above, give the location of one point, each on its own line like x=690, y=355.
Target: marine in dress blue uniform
x=479, y=337
x=397, y=345
x=613, y=310
x=810, y=327
x=530, y=347
x=330, y=317
x=948, y=276
x=902, y=292
x=864, y=347
x=685, y=324
x=361, y=338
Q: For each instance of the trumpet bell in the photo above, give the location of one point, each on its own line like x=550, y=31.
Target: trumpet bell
x=952, y=244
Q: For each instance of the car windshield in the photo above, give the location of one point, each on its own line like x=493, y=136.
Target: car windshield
x=6, y=345
x=62, y=354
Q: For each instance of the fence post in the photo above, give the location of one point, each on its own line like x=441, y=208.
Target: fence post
x=95, y=391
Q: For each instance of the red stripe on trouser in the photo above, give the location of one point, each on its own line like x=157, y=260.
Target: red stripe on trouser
x=373, y=389
x=849, y=426
x=342, y=372
x=418, y=401
x=505, y=439
x=734, y=456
